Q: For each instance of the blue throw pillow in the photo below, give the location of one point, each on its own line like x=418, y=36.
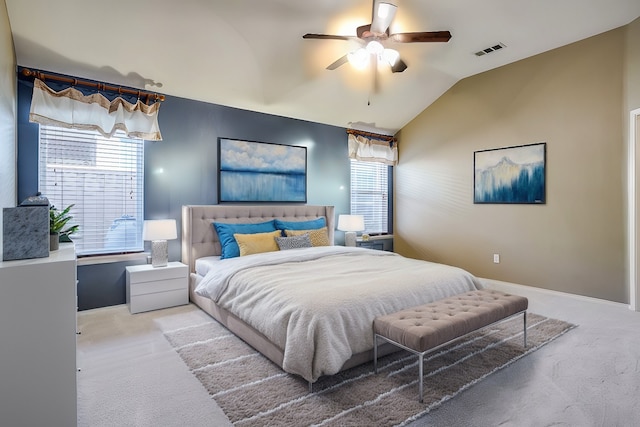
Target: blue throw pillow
x=228, y=243
x=313, y=224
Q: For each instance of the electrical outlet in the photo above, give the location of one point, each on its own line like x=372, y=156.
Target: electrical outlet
x=496, y=258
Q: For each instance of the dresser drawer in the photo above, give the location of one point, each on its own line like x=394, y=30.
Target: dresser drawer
x=144, y=288
x=371, y=245
x=380, y=243
x=146, y=273
x=155, y=301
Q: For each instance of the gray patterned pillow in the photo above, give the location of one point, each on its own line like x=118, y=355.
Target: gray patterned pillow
x=294, y=242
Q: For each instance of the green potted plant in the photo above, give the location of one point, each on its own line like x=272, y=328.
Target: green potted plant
x=58, y=230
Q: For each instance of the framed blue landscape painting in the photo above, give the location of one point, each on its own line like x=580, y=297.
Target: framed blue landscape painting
x=251, y=171
x=511, y=174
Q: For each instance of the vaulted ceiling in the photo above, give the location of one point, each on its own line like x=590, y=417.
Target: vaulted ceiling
x=250, y=54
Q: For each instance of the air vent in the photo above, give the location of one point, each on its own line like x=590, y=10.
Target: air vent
x=490, y=49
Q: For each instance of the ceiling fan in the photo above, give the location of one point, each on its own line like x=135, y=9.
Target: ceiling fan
x=373, y=36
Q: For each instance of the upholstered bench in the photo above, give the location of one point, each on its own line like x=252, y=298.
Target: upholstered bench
x=428, y=327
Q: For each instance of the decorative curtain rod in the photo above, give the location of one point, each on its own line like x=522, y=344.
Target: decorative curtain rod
x=100, y=86
x=373, y=135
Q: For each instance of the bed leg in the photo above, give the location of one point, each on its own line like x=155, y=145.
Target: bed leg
x=310, y=387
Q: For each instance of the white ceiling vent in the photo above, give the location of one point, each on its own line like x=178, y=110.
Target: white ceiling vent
x=490, y=49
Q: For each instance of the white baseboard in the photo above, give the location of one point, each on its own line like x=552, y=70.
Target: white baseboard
x=498, y=283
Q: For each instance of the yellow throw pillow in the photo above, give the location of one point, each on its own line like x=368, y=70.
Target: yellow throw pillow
x=318, y=237
x=257, y=243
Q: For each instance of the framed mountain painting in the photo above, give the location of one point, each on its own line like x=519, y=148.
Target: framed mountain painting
x=510, y=175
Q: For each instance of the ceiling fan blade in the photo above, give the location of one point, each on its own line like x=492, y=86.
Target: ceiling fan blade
x=399, y=66
x=340, y=61
x=326, y=37
x=427, y=36
x=384, y=14
x=362, y=29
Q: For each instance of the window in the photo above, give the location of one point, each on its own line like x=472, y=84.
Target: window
x=103, y=179
x=370, y=192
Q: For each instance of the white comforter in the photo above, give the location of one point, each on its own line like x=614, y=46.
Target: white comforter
x=318, y=304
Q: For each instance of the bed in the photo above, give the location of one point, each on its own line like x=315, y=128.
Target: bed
x=308, y=310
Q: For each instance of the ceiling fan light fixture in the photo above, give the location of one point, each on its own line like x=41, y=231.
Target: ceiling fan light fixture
x=391, y=56
x=370, y=38
x=359, y=58
x=375, y=48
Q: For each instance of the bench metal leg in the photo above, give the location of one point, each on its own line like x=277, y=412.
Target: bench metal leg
x=421, y=355
x=375, y=353
x=421, y=373
x=524, y=317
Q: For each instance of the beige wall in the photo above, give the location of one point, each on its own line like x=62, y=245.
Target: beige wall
x=632, y=65
x=7, y=115
x=572, y=99
x=632, y=102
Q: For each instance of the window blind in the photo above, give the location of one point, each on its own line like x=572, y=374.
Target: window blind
x=370, y=195
x=103, y=178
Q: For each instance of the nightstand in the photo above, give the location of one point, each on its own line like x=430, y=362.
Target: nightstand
x=380, y=243
x=150, y=288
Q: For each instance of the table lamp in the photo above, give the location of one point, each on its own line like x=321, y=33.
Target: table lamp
x=159, y=231
x=350, y=224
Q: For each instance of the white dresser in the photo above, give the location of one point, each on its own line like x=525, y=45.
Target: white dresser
x=38, y=306
x=151, y=288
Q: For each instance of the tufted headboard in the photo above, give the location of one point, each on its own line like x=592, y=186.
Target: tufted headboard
x=199, y=238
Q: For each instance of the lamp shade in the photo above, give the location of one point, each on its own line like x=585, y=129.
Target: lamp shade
x=350, y=222
x=159, y=229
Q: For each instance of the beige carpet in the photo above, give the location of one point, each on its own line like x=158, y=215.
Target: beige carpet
x=253, y=391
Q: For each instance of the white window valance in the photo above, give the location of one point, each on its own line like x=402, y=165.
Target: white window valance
x=71, y=109
x=373, y=150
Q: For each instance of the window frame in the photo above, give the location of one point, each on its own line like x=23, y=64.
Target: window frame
x=389, y=193
x=115, y=170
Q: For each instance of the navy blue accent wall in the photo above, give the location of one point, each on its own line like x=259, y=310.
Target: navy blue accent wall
x=27, y=145
x=102, y=285
x=182, y=169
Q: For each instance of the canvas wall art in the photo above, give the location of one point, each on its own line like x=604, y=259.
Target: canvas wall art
x=511, y=174
x=251, y=171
